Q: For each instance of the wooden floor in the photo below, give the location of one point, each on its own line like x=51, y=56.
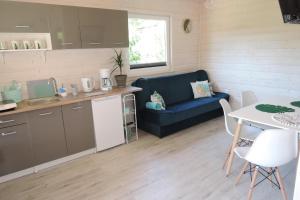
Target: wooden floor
x=186, y=165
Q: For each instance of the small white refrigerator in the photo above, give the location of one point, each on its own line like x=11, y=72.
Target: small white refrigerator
x=108, y=122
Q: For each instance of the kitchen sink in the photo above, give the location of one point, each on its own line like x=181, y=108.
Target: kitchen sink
x=46, y=100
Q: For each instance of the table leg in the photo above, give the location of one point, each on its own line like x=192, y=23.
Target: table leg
x=235, y=140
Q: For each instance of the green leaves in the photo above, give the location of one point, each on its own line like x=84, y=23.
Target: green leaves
x=118, y=61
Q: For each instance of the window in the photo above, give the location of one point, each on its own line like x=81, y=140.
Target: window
x=148, y=41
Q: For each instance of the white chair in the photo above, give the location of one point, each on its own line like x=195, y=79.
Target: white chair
x=249, y=98
x=270, y=150
x=247, y=135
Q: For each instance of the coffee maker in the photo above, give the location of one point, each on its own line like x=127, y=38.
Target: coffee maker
x=105, y=81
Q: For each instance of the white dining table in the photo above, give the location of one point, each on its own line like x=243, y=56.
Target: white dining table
x=251, y=114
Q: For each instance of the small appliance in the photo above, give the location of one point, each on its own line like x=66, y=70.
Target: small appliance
x=7, y=105
x=105, y=81
x=88, y=84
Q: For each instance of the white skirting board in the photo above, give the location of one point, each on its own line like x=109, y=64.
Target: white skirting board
x=40, y=167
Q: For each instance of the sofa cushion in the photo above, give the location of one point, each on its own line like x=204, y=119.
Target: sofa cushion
x=181, y=111
x=174, y=88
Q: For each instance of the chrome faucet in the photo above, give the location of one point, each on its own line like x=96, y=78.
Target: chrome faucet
x=54, y=85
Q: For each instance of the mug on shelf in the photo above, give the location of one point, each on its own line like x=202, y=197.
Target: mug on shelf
x=40, y=44
x=15, y=45
x=3, y=45
x=27, y=44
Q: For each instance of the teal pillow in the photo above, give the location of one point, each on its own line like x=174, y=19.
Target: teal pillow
x=157, y=98
x=153, y=106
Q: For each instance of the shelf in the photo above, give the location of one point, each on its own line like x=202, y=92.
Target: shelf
x=23, y=50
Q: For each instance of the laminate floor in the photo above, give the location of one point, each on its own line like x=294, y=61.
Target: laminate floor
x=186, y=165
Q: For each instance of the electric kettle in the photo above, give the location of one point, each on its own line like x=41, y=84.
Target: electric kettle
x=88, y=84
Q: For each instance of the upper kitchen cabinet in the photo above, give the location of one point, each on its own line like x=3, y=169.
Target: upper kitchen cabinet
x=103, y=28
x=64, y=27
x=16, y=17
x=117, y=29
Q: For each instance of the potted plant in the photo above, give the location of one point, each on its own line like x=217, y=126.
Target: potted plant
x=119, y=64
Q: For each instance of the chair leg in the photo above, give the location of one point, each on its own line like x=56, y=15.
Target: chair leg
x=227, y=156
x=271, y=177
x=253, y=183
x=282, y=188
x=241, y=173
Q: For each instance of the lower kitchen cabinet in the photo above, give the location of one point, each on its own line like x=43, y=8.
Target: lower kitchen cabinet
x=79, y=129
x=15, y=149
x=48, y=137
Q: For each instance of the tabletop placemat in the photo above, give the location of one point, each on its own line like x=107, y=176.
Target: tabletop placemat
x=287, y=119
x=296, y=104
x=269, y=108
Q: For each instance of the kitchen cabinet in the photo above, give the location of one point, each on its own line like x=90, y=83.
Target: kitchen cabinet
x=116, y=34
x=64, y=27
x=103, y=28
x=79, y=129
x=15, y=149
x=108, y=122
x=48, y=137
x=17, y=17
x=12, y=120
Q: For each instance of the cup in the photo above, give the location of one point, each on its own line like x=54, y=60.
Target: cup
x=3, y=45
x=15, y=45
x=26, y=44
x=74, y=89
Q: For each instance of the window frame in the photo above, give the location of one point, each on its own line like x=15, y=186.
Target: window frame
x=150, y=68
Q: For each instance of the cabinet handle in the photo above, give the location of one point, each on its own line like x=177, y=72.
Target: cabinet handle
x=118, y=43
x=7, y=134
x=48, y=113
x=67, y=43
x=94, y=43
x=8, y=121
x=77, y=108
x=22, y=26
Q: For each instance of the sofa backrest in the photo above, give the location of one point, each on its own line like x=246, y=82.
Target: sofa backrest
x=174, y=88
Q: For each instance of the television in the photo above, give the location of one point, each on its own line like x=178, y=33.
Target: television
x=290, y=11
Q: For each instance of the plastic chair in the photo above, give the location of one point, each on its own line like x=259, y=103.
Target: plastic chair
x=247, y=135
x=248, y=98
x=266, y=156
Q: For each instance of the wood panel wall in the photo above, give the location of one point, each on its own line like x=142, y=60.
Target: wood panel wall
x=245, y=45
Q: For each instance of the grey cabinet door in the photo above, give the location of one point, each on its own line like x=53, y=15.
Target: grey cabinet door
x=48, y=138
x=64, y=27
x=103, y=28
x=20, y=17
x=116, y=33
x=79, y=129
x=92, y=27
x=15, y=149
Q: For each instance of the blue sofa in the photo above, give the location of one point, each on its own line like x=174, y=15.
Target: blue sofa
x=182, y=109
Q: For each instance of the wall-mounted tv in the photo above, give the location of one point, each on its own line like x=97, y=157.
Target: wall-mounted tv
x=290, y=11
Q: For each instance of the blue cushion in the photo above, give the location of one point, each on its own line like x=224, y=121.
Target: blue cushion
x=181, y=111
x=174, y=89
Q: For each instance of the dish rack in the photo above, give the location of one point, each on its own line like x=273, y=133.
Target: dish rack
x=129, y=118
